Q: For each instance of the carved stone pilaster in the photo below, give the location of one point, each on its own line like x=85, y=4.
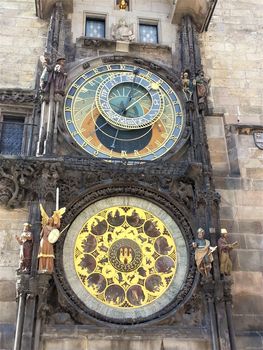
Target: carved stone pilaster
x=42, y=291
x=190, y=51
x=22, y=284
x=227, y=287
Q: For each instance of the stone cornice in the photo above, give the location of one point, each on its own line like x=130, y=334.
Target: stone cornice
x=244, y=129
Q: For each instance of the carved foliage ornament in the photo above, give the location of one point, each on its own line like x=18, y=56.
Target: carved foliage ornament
x=19, y=178
x=13, y=96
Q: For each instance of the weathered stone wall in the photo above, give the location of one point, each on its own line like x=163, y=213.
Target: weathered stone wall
x=99, y=344
x=22, y=37
x=11, y=224
x=232, y=57
x=158, y=11
x=232, y=52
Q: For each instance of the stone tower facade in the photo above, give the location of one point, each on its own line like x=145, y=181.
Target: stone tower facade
x=136, y=204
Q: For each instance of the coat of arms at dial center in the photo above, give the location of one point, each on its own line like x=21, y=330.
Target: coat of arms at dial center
x=125, y=257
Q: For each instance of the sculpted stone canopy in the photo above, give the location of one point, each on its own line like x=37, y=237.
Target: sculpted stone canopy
x=200, y=10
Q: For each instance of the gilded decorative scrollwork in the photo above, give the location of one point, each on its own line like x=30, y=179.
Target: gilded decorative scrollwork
x=125, y=256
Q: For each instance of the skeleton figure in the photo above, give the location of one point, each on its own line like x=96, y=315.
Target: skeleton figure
x=187, y=85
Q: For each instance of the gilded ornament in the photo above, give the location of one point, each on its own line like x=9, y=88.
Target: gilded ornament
x=125, y=257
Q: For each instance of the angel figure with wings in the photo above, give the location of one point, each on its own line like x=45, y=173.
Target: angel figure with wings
x=48, y=236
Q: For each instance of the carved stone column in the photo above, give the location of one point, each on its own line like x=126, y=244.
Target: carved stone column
x=22, y=286
x=52, y=82
x=209, y=292
x=207, y=200
x=228, y=302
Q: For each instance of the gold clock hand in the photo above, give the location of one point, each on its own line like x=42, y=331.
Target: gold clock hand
x=154, y=86
x=136, y=101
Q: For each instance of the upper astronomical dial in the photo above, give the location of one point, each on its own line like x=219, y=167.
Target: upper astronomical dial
x=130, y=101
x=123, y=111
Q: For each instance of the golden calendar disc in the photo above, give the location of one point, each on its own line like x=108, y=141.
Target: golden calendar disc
x=125, y=259
x=125, y=256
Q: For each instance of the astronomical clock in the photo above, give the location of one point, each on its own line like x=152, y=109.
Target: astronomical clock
x=125, y=256
x=123, y=111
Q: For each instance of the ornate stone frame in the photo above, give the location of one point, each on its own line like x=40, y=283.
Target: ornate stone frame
x=168, y=75
x=69, y=299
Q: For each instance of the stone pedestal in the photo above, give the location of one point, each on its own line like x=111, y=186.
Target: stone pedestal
x=122, y=46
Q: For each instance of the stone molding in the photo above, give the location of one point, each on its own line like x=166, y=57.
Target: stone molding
x=244, y=129
x=17, y=96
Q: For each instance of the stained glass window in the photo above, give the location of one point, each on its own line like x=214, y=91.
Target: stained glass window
x=95, y=27
x=149, y=33
x=11, y=136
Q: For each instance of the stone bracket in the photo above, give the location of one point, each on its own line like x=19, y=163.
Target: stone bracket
x=201, y=12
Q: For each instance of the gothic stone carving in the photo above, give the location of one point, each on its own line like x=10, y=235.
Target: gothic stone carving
x=14, y=96
x=19, y=178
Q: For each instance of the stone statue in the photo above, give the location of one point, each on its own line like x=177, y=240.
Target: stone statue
x=122, y=31
x=187, y=85
x=60, y=76
x=26, y=247
x=48, y=236
x=224, y=253
x=46, y=75
x=201, y=87
x=203, y=253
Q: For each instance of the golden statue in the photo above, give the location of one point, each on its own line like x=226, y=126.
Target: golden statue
x=48, y=236
x=123, y=5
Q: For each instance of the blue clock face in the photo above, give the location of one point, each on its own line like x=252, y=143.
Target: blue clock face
x=123, y=111
x=129, y=101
